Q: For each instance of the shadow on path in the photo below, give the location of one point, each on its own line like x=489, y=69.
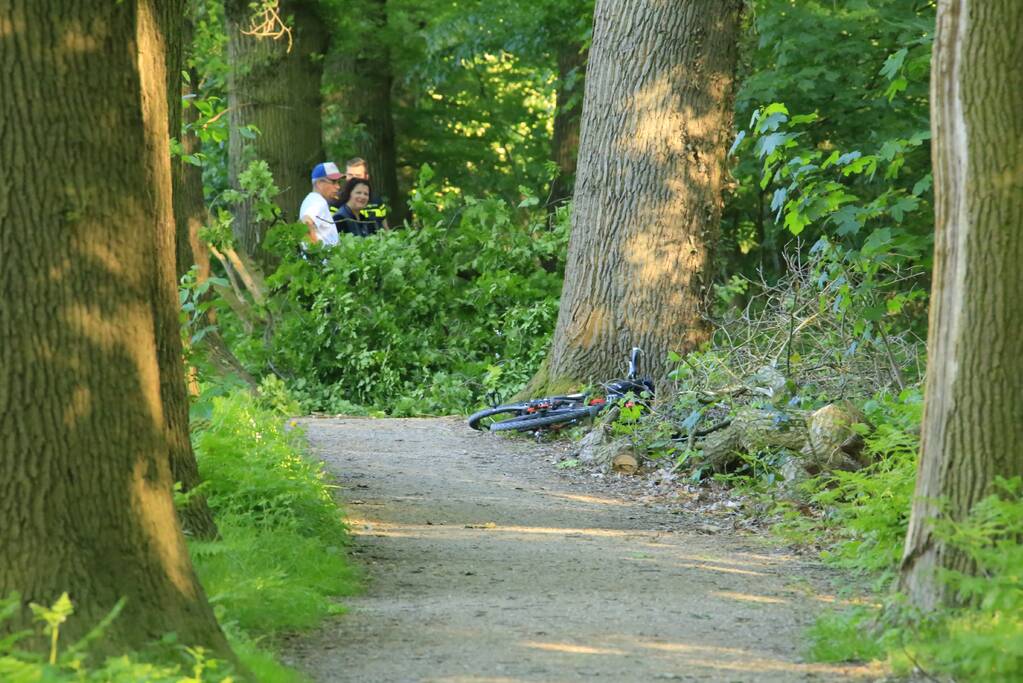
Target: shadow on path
x=486, y=567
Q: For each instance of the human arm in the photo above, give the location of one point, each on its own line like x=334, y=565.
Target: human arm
x=311, y=224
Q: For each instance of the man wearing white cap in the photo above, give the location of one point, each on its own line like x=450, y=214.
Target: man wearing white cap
x=315, y=211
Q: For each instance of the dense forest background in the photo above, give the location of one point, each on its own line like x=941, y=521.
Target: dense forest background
x=830, y=161
x=748, y=190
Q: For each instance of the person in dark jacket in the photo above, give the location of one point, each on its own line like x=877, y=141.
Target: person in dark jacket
x=376, y=210
x=352, y=218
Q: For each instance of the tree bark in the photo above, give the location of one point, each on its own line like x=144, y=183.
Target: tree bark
x=278, y=92
x=87, y=411
x=365, y=88
x=567, y=119
x=657, y=114
x=972, y=431
x=188, y=208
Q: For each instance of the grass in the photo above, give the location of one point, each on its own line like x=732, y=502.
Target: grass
x=279, y=567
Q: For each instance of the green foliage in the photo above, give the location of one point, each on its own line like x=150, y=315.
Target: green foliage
x=281, y=556
x=165, y=662
x=839, y=636
x=207, y=72
x=981, y=638
x=866, y=515
x=194, y=305
x=474, y=87
x=854, y=164
x=421, y=320
x=867, y=511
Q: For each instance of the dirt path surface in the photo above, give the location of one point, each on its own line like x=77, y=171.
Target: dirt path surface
x=486, y=565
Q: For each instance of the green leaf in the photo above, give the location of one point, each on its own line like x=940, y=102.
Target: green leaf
x=796, y=222
x=895, y=87
x=877, y=242
x=903, y=206
x=799, y=119
x=738, y=141
x=849, y=220
x=893, y=64
x=769, y=143
x=528, y=202
x=923, y=185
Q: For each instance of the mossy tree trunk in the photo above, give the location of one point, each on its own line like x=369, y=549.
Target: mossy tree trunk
x=972, y=431
x=656, y=120
x=88, y=403
x=278, y=92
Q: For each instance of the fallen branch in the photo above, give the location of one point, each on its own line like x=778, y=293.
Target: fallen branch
x=268, y=24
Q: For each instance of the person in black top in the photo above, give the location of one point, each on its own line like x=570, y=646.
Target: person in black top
x=376, y=210
x=351, y=218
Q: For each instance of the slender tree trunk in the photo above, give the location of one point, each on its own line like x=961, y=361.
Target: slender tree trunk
x=279, y=93
x=365, y=86
x=567, y=119
x=972, y=429
x=87, y=423
x=196, y=516
x=191, y=216
x=189, y=202
x=656, y=117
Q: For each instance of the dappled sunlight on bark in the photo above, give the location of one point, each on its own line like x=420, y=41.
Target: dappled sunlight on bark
x=648, y=192
x=154, y=508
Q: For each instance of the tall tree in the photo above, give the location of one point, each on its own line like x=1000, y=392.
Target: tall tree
x=972, y=429
x=274, y=85
x=365, y=81
x=571, y=57
x=656, y=118
x=86, y=411
x=188, y=207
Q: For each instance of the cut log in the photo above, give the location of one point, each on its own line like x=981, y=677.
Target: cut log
x=832, y=441
x=625, y=462
x=753, y=430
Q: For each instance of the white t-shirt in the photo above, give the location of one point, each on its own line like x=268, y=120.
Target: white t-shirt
x=316, y=207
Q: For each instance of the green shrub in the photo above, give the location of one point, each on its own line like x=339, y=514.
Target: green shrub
x=419, y=320
x=982, y=640
x=866, y=512
x=979, y=640
x=281, y=557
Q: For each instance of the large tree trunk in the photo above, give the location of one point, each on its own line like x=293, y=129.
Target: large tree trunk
x=86, y=420
x=278, y=92
x=365, y=88
x=567, y=119
x=656, y=117
x=972, y=429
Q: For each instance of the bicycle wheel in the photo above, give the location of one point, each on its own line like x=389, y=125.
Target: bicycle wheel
x=525, y=423
x=482, y=420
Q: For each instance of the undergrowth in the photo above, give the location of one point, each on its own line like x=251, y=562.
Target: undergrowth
x=980, y=639
x=281, y=559
x=424, y=319
x=865, y=516
x=278, y=567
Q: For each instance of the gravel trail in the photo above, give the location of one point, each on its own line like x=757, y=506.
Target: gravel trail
x=486, y=565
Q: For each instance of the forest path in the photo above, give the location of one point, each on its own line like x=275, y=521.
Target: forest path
x=486, y=566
